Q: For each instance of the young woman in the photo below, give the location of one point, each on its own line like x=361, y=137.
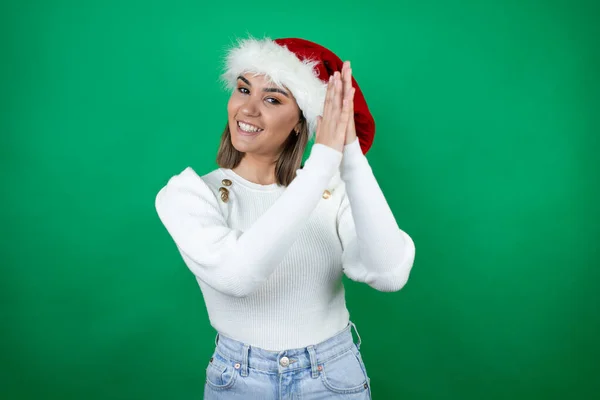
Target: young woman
x=269, y=240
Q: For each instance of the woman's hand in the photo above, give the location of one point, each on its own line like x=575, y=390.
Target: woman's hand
x=337, y=113
x=347, y=80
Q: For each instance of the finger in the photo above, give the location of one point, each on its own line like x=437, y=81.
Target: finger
x=344, y=119
x=351, y=100
x=332, y=117
x=328, y=98
x=319, y=118
x=337, y=97
x=347, y=84
x=351, y=109
x=348, y=80
x=351, y=106
x=346, y=113
x=346, y=71
x=334, y=108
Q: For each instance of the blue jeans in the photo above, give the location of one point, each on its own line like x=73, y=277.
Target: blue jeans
x=332, y=369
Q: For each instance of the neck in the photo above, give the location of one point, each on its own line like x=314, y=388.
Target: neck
x=257, y=169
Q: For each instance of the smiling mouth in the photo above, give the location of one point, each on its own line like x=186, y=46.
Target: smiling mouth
x=248, y=129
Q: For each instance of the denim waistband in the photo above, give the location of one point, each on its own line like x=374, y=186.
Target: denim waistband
x=244, y=356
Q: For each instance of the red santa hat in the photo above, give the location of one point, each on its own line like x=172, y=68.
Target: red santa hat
x=304, y=68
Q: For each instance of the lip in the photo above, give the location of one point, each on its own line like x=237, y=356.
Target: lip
x=243, y=133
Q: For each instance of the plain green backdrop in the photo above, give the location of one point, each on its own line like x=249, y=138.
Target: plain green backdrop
x=486, y=149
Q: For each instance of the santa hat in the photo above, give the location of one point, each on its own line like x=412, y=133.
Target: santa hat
x=304, y=68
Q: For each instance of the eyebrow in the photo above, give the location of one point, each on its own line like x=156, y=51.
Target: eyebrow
x=272, y=90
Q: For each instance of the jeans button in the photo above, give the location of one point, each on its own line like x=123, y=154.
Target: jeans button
x=284, y=362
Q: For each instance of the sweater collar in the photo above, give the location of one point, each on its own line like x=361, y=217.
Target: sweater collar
x=230, y=174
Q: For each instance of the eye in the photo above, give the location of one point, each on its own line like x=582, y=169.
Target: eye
x=243, y=90
x=273, y=100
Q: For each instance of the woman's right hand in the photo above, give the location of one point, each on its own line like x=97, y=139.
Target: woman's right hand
x=331, y=127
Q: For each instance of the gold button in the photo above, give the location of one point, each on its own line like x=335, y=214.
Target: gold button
x=224, y=194
x=226, y=182
x=326, y=194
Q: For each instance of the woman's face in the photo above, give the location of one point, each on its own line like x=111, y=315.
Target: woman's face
x=261, y=115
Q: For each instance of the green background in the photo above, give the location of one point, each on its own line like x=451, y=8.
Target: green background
x=486, y=148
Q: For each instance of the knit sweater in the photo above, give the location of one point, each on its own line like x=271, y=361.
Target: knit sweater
x=270, y=259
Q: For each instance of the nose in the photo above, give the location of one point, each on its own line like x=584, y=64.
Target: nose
x=250, y=106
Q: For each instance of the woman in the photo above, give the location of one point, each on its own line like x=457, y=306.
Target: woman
x=269, y=240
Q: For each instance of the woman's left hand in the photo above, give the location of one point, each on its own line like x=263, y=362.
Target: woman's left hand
x=347, y=83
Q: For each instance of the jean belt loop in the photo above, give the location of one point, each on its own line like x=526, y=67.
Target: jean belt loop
x=313, y=361
x=245, y=360
x=357, y=334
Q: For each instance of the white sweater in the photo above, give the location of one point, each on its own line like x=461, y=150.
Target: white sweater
x=270, y=260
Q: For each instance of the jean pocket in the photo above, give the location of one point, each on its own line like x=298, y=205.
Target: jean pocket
x=220, y=374
x=345, y=374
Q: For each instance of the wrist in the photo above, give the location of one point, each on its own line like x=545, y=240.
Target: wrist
x=350, y=138
x=350, y=141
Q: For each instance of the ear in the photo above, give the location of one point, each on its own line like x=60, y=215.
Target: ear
x=298, y=126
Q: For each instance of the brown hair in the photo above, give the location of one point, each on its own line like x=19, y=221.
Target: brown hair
x=288, y=162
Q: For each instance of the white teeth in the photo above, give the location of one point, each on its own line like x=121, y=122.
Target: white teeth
x=248, y=128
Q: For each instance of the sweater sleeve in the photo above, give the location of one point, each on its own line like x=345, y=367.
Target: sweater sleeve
x=233, y=262
x=376, y=250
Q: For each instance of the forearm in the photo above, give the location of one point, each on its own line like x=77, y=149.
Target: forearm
x=262, y=247
x=231, y=261
x=384, y=249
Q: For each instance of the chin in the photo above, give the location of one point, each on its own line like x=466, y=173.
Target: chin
x=240, y=146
